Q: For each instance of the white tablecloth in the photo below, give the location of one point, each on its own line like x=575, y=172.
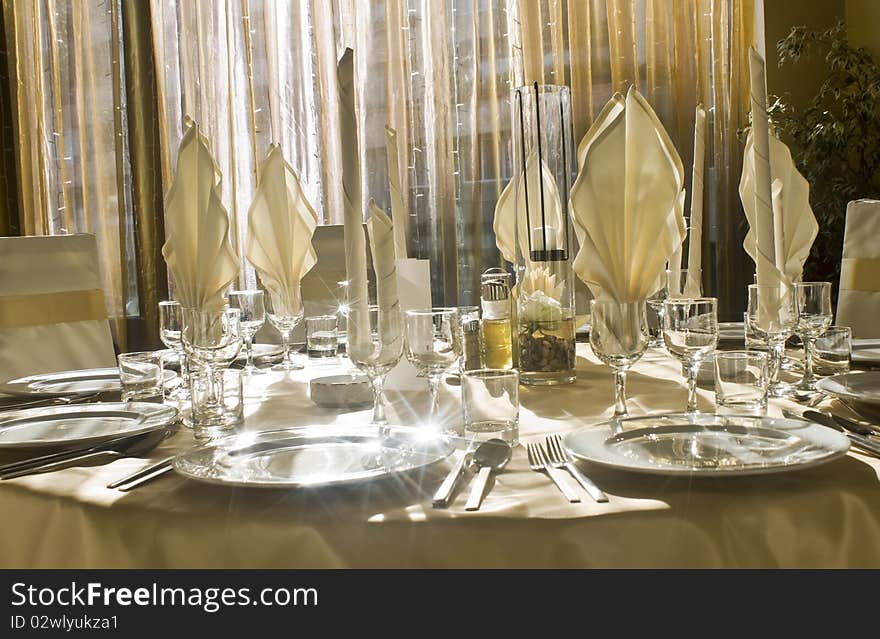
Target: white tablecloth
x=828, y=516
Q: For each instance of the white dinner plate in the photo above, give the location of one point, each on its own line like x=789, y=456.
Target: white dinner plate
x=78, y=382
x=307, y=457
x=81, y=424
x=862, y=386
x=706, y=444
x=866, y=351
x=260, y=350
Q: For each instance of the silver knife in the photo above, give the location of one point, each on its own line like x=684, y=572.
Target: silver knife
x=828, y=420
x=158, y=468
x=444, y=493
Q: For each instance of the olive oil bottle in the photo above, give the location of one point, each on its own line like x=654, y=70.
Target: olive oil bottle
x=496, y=323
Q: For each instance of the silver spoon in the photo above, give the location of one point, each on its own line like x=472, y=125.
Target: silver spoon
x=492, y=454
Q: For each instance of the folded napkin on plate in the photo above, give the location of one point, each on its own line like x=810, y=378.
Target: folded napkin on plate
x=627, y=201
x=281, y=223
x=197, y=250
x=794, y=222
x=513, y=198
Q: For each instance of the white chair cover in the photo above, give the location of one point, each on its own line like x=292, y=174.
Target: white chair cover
x=53, y=316
x=858, y=302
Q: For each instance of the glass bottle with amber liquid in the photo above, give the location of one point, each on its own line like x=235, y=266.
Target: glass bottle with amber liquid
x=496, y=323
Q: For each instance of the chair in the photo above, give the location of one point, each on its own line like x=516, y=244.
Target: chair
x=858, y=302
x=53, y=316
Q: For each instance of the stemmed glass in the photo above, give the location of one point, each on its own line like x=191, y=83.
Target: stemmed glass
x=619, y=338
x=170, y=330
x=690, y=331
x=285, y=321
x=375, y=346
x=432, y=345
x=212, y=340
x=253, y=316
x=771, y=316
x=813, y=307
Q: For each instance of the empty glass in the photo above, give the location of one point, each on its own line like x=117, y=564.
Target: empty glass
x=741, y=381
x=771, y=316
x=217, y=403
x=375, y=346
x=619, y=337
x=170, y=330
x=677, y=288
x=141, y=375
x=490, y=404
x=690, y=332
x=833, y=351
x=432, y=345
x=813, y=305
x=284, y=316
x=253, y=316
x=322, y=340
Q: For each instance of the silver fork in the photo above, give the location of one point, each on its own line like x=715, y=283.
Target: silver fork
x=559, y=459
x=538, y=462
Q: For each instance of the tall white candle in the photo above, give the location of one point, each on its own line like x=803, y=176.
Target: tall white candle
x=764, y=231
x=695, y=241
x=398, y=208
x=353, y=232
x=540, y=233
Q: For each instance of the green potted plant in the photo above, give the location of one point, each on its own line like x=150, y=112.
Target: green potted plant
x=835, y=139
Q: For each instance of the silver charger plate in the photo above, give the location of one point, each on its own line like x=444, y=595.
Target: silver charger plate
x=57, y=426
x=76, y=382
x=706, y=444
x=308, y=457
x=863, y=387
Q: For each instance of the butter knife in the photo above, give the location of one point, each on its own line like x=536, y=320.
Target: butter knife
x=444, y=493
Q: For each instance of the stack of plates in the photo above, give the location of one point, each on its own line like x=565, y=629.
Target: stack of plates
x=80, y=425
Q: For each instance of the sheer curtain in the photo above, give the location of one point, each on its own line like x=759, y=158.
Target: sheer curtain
x=254, y=72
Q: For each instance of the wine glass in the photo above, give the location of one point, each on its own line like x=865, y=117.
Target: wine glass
x=690, y=332
x=212, y=340
x=285, y=316
x=253, y=316
x=432, y=345
x=813, y=308
x=170, y=331
x=619, y=338
x=771, y=316
x=375, y=346
x=676, y=287
x=655, y=306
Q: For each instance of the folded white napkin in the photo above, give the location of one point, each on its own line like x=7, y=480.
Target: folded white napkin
x=197, y=248
x=512, y=203
x=381, y=232
x=281, y=223
x=627, y=201
x=794, y=223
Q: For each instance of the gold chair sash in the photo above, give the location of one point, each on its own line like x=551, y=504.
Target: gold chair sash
x=18, y=311
x=860, y=274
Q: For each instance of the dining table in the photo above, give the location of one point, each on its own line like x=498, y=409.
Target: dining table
x=826, y=516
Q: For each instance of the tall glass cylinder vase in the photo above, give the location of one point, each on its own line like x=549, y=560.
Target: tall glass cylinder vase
x=543, y=155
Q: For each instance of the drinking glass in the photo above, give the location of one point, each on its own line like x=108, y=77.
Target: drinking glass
x=170, y=330
x=490, y=404
x=432, y=345
x=322, y=339
x=771, y=316
x=833, y=351
x=375, y=346
x=141, y=376
x=217, y=403
x=813, y=305
x=654, y=312
x=676, y=287
x=285, y=320
x=619, y=337
x=741, y=381
x=690, y=331
x=253, y=316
